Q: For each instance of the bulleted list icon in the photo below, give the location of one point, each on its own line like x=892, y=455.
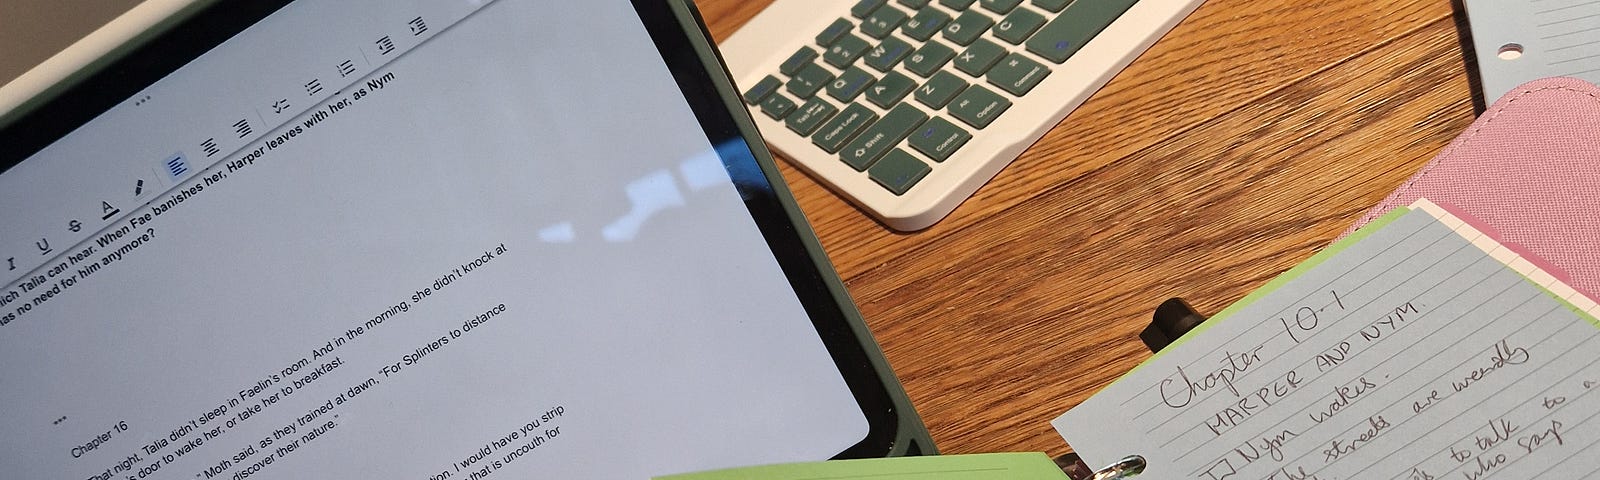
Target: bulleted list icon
x=418, y=27
x=385, y=45
x=242, y=127
x=313, y=87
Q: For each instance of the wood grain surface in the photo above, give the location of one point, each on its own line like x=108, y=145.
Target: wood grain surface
x=1240, y=144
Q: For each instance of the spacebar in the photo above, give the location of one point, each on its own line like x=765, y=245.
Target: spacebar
x=1076, y=25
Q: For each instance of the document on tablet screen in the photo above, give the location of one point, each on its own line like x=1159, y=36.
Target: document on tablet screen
x=495, y=248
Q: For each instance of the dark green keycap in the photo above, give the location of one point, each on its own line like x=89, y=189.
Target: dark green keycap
x=799, y=60
x=884, y=56
x=810, y=116
x=1017, y=74
x=777, y=106
x=898, y=171
x=882, y=136
x=938, y=91
x=938, y=139
x=1082, y=20
x=1004, y=6
x=843, y=127
x=979, y=57
x=1051, y=5
x=977, y=106
x=763, y=88
x=967, y=27
x=850, y=84
x=882, y=22
x=865, y=7
x=930, y=58
x=890, y=89
x=957, y=4
x=809, y=81
x=846, y=51
x=914, y=3
x=1017, y=26
x=835, y=30
x=926, y=23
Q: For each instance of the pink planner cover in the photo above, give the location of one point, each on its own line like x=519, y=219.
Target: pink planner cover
x=1528, y=173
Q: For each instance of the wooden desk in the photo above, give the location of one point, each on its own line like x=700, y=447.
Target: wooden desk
x=1247, y=139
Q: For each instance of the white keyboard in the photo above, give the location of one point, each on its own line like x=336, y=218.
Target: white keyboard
x=906, y=107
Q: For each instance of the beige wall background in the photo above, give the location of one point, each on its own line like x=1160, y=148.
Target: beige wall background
x=33, y=30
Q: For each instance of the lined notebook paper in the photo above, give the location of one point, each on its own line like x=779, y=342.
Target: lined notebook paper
x=1410, y=350
x=1517, y=41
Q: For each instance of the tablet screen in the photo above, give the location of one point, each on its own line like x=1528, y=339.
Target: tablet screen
x=422, y=240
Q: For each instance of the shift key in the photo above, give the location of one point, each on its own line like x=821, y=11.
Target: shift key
x=880, y=137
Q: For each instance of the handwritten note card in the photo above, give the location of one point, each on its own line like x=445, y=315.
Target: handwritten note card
x=1406, y=352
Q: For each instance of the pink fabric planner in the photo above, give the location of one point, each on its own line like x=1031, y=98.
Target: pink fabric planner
x=1528, y=173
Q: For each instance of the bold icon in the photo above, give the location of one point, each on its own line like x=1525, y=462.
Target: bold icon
x=75, y=226
x=44, y=246
x=280, y=105
x=346, y=68
x=177, y=166
x=210, y=146
x=313, y=87
x=138, y=188
x=385, y=45
x=107, y=211
x=242, y=127
x=418, y=27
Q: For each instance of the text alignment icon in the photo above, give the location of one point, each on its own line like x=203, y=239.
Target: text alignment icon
x=385, y=45
x=242, y=127
x=418, y=27
x=177, y=166
x=313, y=87
x=210, y=147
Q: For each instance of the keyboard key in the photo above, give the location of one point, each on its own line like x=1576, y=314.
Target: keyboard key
x=979, y=57
x=799, y=60
x=882, y=136
x=967, y=27
x=914, y=3
x=835, y=30
x=843, y=127
x=930, y=58
x=890, y=89
x=1017, y=74
x=850, y=84
x=1004, y=6
x=777, y=106
x=763, y=88
x=939, y=138
x=884, y=56
x=846, y=51
x=864, y=8
x=925, y=24
x=1017, y=26
x=899, y=171
x=957, y=4
x=938, y=91
x=1063, y=36
x=978, y=106
x=882, y=22
x=809, y=81
x=1052, y=5
x=810, y=116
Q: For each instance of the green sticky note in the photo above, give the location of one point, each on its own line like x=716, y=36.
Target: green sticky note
x=991, y=466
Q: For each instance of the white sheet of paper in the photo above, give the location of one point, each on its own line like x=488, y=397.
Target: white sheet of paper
x=1412, y=353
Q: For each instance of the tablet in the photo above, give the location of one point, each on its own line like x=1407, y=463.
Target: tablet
x=413, y=239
